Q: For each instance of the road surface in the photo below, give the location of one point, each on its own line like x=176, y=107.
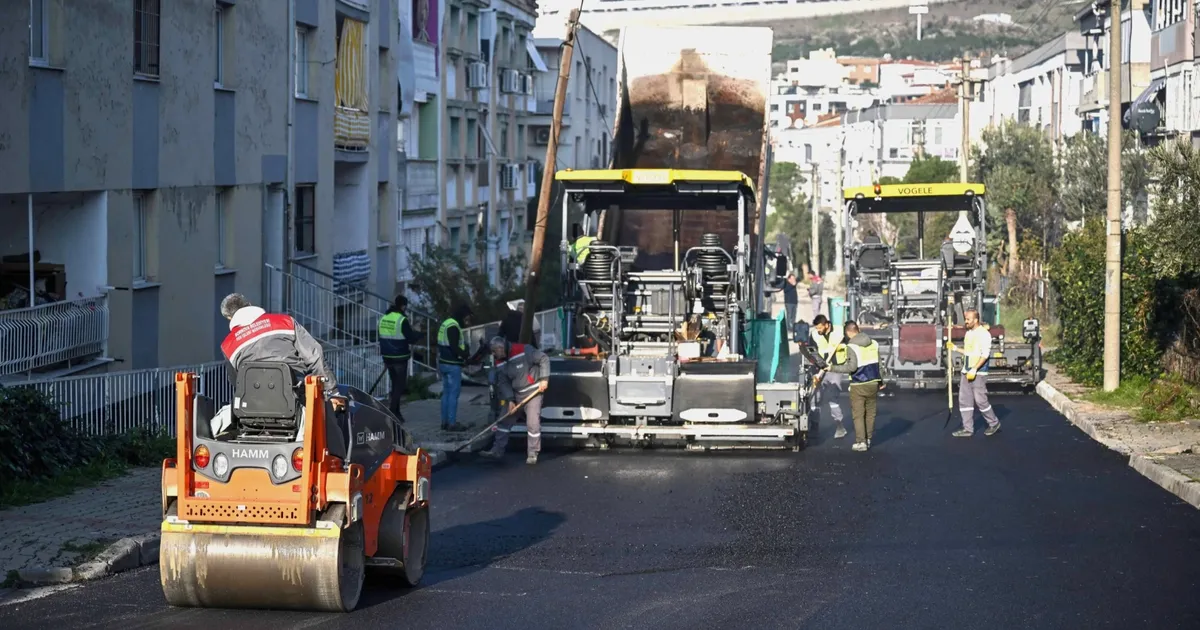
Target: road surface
x=1036, y=527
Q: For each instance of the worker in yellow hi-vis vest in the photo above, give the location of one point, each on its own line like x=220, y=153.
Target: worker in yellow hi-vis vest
x=395, y=331
x=862, y=364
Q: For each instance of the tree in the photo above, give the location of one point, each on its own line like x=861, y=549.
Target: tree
x=1084, y=185
x=443, y=278
x=1176, y=225
x=925, y=170
x=1016, y=165
x=791, y=215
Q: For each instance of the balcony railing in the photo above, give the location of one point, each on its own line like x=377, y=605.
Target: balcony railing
x=46, y=335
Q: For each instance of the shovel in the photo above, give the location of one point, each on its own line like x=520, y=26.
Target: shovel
x=949, y=388
x=502, y=418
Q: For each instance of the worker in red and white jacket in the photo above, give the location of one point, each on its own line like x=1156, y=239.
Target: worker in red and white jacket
x=255, y=335
x=521, y=370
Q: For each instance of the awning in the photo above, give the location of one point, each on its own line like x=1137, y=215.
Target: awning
x=533, y=55
x=1149, y=94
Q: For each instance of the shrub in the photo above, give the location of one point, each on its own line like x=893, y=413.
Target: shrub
x=1169, y=399
x=34, y=443
x=1077, y=276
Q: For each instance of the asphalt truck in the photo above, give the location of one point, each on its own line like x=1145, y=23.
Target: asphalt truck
x=665, y=273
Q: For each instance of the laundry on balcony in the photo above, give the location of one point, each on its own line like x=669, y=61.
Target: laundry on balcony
x=351, y=270
x=352, y=121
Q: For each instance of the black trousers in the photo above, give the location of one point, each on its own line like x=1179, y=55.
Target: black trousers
x=398, y=376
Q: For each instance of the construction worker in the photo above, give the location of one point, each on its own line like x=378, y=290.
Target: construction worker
x=452, y=355
x=394, y=333
x=580, y=248
x=521, y=370
x=972, y=387
x=255, y=335
x=830, y=347
x=791, y=302
x=862, y=364
x=816, y=291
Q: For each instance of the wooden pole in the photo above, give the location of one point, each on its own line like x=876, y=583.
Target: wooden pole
x=543, y=209
x=964, y=99
x=1112, y=267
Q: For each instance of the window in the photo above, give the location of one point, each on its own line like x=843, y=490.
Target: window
x=455, y=137
x=384, y=216
x=519, y=152
x=219, y=44
x=145, y=37
x=224, y=250
x=893, y=152
x=141, y=237
x=454, y=244
x=937, y=134
x=503, y=148
x=473, y=140
x=305, y=212
x=39, y=32
x=302, y=61
x=808, y=156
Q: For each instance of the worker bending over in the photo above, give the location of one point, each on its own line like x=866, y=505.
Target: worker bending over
x=830, y=347
x=394, y=334
x=862, y=364
x=255, y=335
x=521, y=370
x=972, y=387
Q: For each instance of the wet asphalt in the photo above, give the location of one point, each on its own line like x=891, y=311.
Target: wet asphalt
x=1035, y=527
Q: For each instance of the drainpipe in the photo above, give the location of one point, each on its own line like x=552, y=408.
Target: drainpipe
x=289, y=177
x=29, y=220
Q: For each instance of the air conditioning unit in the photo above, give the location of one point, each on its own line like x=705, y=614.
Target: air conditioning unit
x=510, y=176
x=510, y=81
x=477, y=75
x=541, y=135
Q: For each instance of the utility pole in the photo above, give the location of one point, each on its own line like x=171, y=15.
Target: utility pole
x=543, y=209
x=1112, y=266
x=964, y=96
x=814, y=254
x=838, y=215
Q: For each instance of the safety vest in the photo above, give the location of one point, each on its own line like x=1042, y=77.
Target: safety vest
x=825, y=345
x=868, y=363
x=977, y=344
x=446, y=353
x=392, y=344
x=580, y=248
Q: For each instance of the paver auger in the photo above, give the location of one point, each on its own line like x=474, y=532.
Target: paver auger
x=290, y=508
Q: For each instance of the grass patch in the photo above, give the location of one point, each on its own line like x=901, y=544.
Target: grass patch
x=1013, y=317
x=84, y=552
x=1164, y=399
x=27, y=491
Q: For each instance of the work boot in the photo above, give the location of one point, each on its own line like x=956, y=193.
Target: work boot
x=963, y=433
x=840, y=432
x=492, y=454
x=458, y=426
x=531, y=459
x=992, y=429
x=859, y=446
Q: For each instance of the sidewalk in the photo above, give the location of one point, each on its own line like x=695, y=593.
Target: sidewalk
x=1166, y=453
x=113, y=526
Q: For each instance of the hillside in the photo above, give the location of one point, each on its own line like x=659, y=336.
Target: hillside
x=948, y=31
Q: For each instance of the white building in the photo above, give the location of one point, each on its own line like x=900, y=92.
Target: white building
x=881, y=141
x=1172, y=96
x=1041, y=88
x=1095, y=24
x=905, y=80
x=816, y=148
x=590, y=107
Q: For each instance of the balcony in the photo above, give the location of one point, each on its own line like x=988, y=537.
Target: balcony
x=351, y=119
x=48, y=336
x=545, y=107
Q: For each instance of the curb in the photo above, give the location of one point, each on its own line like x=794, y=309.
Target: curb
x=138, y=551
x=1148, y=466
x=123, y=555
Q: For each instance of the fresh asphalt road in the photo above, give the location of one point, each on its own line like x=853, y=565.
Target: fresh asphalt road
x=1035, y=527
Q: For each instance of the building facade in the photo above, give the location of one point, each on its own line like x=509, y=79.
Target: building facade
x=1041, y=88
x=1095, y=25
x=145, y=151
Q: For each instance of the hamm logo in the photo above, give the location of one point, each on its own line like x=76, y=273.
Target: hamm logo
x=250, y=453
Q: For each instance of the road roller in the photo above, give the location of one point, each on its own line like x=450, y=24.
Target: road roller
x=285, y=502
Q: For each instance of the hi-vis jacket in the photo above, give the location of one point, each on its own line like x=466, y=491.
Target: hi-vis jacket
x=862, y=363
x=394, y=333
x=825, y=345
x=255, y=335
x=520, y=372
x=977, y=344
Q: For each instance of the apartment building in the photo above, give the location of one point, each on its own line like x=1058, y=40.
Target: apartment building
x=861, y=71
x=1095, y=25
x=1042, y=88
x=881, y=141
x=144, y=159
x=590, y=107
x=1168, y=106
x=420, y=158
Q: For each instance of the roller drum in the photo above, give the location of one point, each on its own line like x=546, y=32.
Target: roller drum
x=261, y=567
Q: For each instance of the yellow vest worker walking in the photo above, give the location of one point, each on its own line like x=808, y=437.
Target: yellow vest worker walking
x=580, y=248
x=829, y=347
x=394, y=334
x=862, y=364
x=972, y=387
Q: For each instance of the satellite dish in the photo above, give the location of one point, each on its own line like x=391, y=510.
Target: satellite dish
x=962, y=235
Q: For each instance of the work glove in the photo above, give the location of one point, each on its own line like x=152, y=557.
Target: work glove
x=970, y=375
x=950, y=345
